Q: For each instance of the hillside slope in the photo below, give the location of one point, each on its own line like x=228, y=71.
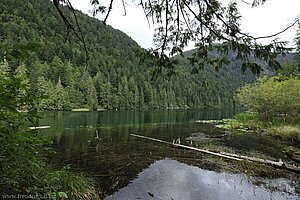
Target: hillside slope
x=113, y=78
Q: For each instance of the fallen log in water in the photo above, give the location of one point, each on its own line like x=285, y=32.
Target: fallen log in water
x=230, y=156
x=188, y=147
x=38, y=127
x=278, y=164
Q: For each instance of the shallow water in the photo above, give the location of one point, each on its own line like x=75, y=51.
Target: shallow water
x=133, y=168
x=170, y=179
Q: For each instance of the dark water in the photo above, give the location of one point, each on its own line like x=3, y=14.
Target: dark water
x=132, y=168
x=170, y=179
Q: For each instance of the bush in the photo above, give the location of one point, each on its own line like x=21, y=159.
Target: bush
x=23, y=167
x=273, y=98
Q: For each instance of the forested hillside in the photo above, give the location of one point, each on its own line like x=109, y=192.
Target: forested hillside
x=111, y=77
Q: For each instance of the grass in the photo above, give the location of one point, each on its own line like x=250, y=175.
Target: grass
x=285, y=132
x=65, y=184
x=246, y=117
x=277, y=128
x=244, y=122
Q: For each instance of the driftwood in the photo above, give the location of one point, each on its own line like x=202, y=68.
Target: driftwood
x=188, y=147
x=278, y=164
x=230, y=156
x=38, y=127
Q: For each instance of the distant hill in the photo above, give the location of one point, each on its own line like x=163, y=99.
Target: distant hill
x=111, y=77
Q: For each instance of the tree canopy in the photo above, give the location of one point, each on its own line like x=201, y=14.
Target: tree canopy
x=113, y=77
x=203, y=22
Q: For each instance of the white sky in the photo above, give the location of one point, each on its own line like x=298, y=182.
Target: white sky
x=272, y=17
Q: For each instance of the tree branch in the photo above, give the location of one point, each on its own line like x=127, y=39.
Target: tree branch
x=109, y=10
x=280, y=32
x=69, y=25
x=123, y=3
x=80, y=31
x=209, y=28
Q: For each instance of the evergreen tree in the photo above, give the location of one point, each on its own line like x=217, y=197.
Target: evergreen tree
x=61, y=97
x=119, y=79
x=43, y=91
x=92, y=100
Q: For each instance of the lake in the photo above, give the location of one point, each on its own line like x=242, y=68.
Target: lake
x=100, y=145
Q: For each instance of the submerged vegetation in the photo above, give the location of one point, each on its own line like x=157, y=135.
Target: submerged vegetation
x=274, y=110
x=61, y=77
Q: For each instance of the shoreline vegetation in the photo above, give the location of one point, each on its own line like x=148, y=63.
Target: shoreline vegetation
x=229, y=156
x=31, y=173
x=53, y=75
x=249, y=123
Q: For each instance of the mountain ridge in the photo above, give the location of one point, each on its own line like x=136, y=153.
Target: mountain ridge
x=114, y=78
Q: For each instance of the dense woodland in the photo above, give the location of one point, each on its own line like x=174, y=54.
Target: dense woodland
x=111, y=76
x=44, y=66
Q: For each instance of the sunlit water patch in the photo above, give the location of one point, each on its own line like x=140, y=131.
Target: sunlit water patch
x=171, y=180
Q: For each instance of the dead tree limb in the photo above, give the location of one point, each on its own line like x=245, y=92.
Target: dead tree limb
x=230, y=156
x=188, y=147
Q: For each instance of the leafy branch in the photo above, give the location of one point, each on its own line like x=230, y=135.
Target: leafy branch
x=207, y=24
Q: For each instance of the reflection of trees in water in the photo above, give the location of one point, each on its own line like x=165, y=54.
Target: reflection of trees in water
x=116, y=158
x=113, y=118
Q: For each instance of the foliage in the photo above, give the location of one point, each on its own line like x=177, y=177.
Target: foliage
x=74, y=186
x=245, y=117
x=273, y=98
x=23, y=166
x=112, y=78
x=277, y=102
x=20, y=158
x=203, y=23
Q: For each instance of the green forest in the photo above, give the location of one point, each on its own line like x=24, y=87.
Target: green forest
x=111, y=76
x=45, y=66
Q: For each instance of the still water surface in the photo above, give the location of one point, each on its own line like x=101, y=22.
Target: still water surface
x=132, y=168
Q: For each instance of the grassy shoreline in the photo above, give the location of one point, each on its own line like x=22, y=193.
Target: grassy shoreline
x=249, y=123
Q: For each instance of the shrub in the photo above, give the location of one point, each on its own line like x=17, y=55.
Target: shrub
x=23, y=167
x=273, y=98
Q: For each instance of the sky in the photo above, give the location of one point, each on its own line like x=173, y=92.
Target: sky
x=272, y=17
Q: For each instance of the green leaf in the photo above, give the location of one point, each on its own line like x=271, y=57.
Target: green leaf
x=62, y=195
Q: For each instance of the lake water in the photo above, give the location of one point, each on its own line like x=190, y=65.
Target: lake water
x=132, y=168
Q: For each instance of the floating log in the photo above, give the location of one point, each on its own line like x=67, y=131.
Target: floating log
x=187, y=147
x=278, y=164
x=38, y=127
x=230, y=156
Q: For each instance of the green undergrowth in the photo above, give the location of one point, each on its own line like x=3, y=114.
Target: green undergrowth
x=74, y=186
x=24, y=169
x=277, y=128
x=250, y=122
x=249, y=131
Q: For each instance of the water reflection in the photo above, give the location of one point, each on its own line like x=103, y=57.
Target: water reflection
x=63, y=120
x=171, y=180
x=116, y=158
